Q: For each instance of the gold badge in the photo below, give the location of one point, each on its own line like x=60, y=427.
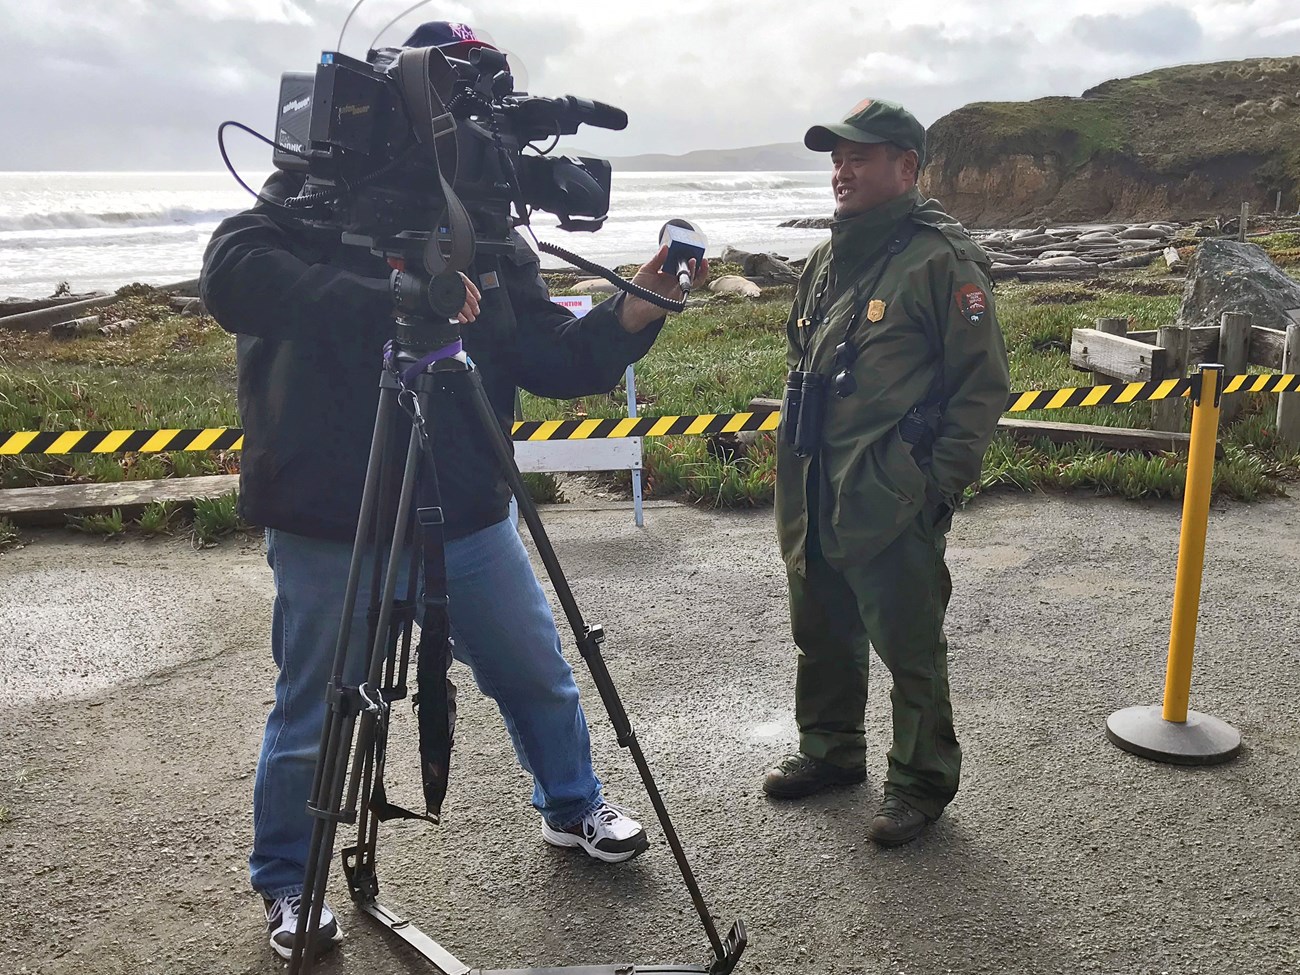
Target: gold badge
x=875, y=310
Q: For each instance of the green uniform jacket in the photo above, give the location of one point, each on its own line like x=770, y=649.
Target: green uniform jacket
x=868, y=486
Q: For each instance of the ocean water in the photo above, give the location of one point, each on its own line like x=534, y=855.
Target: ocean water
x=99, y=231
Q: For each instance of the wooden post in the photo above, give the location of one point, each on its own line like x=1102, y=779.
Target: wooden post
x=1111, y=326
x=1245, y=219
x=1171, y=414
x=1234, y=345
x=1278, y=207
x=1288, y=404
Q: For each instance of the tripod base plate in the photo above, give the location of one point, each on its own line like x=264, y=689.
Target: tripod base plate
x=448, y=964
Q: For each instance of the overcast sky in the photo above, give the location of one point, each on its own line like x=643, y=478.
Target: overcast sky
x=142, y=84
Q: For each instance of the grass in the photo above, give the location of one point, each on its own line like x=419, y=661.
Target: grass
x=107, y=525
x=715, y=357
x=1080, y=128
x=215, y=518
x=158, y=518
x=170, y=371
x=9, y=535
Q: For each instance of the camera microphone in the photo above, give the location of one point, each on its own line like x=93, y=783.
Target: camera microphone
x=684, y=241
x=595, y=113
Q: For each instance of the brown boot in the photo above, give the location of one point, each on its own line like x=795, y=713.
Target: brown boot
x=797, y=775
x=897, y=822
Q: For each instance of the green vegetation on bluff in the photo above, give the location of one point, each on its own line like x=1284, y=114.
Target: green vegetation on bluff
x=1232, y=120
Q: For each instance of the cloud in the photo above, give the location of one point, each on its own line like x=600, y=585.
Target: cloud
x=1165, y=30
x=142, y=84
x=896, y=67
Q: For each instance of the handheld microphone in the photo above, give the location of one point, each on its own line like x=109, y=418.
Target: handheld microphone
x=685, y=241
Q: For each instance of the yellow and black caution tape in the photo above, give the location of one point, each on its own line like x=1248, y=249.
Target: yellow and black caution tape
x=119, y=441
x=1122, y=393
x=704, y=424
x=1261, y=383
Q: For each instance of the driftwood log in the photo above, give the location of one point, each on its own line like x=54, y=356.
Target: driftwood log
x=41, y=319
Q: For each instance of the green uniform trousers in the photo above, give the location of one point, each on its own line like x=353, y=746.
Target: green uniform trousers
x=894, y=602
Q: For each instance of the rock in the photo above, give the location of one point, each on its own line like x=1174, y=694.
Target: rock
x=730, y=447
x=115, y=328
x=1032, y=239
x=770, y=267
x=1134, y=260
x=75, y=327
x=1226, y=275
x=1141, y=233
x=1064, y=260
x=809, y=223
x=734, y=284
x=594, y=286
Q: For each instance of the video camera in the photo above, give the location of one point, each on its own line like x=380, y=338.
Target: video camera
x=403, y=140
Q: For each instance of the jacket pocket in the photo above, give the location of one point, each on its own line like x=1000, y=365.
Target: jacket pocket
x=880, y=495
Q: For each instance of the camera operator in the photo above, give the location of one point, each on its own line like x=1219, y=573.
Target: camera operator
x=312, y=317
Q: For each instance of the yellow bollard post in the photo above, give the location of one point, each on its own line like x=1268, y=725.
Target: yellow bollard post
x=1191, y=544
x=1172, y=733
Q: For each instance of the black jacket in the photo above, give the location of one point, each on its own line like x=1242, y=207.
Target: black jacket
x=312, y=317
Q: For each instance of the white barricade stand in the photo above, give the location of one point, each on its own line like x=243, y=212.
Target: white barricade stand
x=562, y=456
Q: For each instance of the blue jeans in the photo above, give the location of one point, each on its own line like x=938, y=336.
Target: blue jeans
x=504, y=632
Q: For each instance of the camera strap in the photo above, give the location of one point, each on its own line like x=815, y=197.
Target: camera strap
x=893, y=246
x=424, y=78
x=435, y=698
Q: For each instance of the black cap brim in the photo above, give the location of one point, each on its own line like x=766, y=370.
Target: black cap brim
x=822, y=138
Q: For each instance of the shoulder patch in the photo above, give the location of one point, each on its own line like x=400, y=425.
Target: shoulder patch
x=973, y=303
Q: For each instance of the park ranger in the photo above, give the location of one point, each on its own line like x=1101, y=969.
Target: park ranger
x=898, y=374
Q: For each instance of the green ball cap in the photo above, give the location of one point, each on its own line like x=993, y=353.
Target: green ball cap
x=871, y=120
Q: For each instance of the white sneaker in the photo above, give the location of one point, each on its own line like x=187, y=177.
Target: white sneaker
x=606, y=833
x=282, y=924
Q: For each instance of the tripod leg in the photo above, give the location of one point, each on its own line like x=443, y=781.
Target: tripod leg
x=332, y=771
x=589, y=640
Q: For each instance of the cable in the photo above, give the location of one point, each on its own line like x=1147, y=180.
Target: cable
x=383, y=30
x=622, y=283
x=347, y=20
x=555, y=141
x=304, y=202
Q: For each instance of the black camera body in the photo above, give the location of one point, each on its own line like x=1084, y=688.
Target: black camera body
x=353, y=128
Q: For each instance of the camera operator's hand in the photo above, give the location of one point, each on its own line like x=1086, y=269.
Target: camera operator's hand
x=637, y=313
x=472, y=295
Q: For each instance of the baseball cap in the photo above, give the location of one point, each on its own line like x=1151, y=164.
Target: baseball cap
x=461, y=38
x=869, y=121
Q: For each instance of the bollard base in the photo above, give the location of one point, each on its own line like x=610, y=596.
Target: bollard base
x=1202, y=740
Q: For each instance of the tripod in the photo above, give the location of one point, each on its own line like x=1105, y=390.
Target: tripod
x=427, y=356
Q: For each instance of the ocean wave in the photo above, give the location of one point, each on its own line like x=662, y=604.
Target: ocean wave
x=82, y=220
x=739, y=181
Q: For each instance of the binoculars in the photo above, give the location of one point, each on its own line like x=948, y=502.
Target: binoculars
x=803, y=410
